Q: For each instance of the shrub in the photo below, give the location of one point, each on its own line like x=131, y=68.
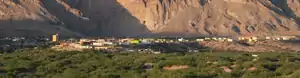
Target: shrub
x=48, y=63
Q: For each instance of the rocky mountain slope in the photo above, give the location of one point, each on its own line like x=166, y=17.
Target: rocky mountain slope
x=150, y=17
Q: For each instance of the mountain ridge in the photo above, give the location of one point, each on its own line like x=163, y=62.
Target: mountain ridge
x=150, y=17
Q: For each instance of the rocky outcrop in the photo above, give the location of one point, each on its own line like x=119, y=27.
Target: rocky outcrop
x=150, y=17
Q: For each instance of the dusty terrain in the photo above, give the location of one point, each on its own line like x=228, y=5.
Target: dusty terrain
x=149, y=17
x=261, y=46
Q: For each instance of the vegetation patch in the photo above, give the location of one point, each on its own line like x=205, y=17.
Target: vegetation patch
x=36, y=63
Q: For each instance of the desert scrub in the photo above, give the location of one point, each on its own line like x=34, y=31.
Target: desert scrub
x=36, y=63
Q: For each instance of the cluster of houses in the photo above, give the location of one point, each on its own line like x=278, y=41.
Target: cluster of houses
x=115, y=43
x=263, y=38
x=121, y=43
x=100, y=44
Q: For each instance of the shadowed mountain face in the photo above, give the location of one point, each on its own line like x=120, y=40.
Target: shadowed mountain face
x=46, y=17
x=111, y=17
x=150, y=17
x=96, y=17
x=282, y=8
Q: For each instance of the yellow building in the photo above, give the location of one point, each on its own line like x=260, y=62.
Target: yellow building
x=55, y=38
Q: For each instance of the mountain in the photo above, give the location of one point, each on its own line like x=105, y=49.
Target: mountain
x=149, y=17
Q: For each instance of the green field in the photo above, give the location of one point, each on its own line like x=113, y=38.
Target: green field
x=90, y=64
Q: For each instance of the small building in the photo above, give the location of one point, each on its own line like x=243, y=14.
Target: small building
x=108, y=43
x=268, y=38
x=285, y=38
x=83, y=40
x=250, y=40
x=214, y=38
x=100, y=40
x=241, y=38
x=199, y=40
x=171, y=41
x=181, y=39
x=207, y=38
x=135, y=41
x=254, y=38
x=124, y=43
x=157, y=52
x=97, y=44
x=288, y=37
x=221, y=39
x=278, y=38
x=145, y=41
x=55, y=38
x=230, y=40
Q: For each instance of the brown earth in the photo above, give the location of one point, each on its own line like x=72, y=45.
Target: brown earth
x=261, y=46
x=149, y=17
x=175, y=67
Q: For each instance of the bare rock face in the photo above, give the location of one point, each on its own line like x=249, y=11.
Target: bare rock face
x=29, y=18
x=150, y=17
x=216, y=17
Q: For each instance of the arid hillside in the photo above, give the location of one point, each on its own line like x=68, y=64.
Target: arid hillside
x=149, y=17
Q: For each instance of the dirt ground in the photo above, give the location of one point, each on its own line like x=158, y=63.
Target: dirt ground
x=261, y=46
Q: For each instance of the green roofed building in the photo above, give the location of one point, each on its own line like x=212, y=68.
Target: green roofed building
x=135, y=41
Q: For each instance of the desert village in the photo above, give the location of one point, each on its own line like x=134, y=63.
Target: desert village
x=158, y=45
x=148, y=45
